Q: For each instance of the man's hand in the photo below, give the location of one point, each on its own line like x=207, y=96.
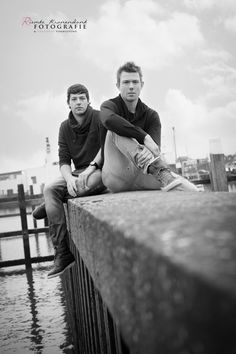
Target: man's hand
x=151, y=145
x=143, y=157
x=71, y=185
x=83, y=177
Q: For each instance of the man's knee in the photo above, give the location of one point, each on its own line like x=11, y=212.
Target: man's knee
x=54, y=187
x=48, y=190
x=94, y=185
x=94, y=179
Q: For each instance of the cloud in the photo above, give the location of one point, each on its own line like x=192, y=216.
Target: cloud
x=138, y=30
x=202, y=5
x=43, y=114
x=217, y=73
x=199, y=4
x=10, y=163
x=230, y=24
x=195, y=125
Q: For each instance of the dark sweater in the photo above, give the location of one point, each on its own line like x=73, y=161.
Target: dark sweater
x=79, y=143
x=115, y=116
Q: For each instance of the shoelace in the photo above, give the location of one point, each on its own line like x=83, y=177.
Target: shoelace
x=165, y=176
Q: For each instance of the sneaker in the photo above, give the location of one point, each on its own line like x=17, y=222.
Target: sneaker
x=171, y=181
x=167, y=180
x=185, y=185
x=61, y=263
x=40, y=212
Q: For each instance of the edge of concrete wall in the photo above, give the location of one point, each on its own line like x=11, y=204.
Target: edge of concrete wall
x=165, y=265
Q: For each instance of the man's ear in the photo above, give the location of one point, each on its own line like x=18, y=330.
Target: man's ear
x=142, y=83
x=118, y=85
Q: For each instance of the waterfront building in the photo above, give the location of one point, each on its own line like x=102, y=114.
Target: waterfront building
x=230, y=164
x=32, y=178
x=36, y=177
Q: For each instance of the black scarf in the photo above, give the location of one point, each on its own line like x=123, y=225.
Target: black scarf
x=83, y=128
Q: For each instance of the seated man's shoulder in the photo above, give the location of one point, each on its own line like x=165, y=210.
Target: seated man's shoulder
x=110, y=104
x=64, y=123
x=95, y=112
x=152, y=112
x=95, y=116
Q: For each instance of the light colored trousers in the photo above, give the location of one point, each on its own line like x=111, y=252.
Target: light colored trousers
x=120, y=170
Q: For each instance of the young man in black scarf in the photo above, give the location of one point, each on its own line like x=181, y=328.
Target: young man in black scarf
x=79, y=141
x=131, y=151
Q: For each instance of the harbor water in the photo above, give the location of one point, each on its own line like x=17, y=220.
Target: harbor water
x=33, y=316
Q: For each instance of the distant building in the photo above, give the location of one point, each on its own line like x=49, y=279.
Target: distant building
x=189, y=169
x=35, y=177
x=203, y=164
x=230, y=163
x=195, y=169
x=8, y=181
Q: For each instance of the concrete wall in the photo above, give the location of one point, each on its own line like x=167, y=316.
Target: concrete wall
x=165, y=265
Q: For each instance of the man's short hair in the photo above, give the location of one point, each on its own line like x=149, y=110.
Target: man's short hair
x=129, y=67
x=77, y=88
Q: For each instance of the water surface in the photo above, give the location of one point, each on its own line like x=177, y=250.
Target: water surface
x=32, y=307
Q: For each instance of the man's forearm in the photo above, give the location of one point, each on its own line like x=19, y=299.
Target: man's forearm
x=66, y=172
x=151, y=145
x=98, y=158
x=120, y=125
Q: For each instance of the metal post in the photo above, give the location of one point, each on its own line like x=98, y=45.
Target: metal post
x=173, y=128
x=46, y=222
x=23, y=216
x=33, y=207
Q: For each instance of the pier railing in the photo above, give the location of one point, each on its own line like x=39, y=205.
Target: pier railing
x=155, y=273
x=22, y=202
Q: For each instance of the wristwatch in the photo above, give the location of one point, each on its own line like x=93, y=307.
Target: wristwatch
x=93, y=163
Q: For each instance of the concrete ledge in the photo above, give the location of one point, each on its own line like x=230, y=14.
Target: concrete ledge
x=165, y=265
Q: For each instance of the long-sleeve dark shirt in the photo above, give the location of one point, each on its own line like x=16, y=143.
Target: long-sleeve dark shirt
x=116, y=117
x=79, y=143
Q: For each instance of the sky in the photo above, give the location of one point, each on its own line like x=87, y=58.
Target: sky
x=186, y=50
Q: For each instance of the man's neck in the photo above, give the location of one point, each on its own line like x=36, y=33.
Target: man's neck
x=131, y=105
x=79, y=118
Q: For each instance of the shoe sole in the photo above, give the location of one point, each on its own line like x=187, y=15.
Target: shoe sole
x=181, y=185
x=57, y=274
x=177, y=182
x=39, y=212
x=39, y=218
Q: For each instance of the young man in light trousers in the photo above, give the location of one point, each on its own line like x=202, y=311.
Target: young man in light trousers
x=131, y=147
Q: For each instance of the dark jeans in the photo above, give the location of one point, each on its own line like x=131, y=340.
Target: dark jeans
x=55, y=194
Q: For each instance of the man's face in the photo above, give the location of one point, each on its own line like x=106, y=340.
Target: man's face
x=130, y=86
x=78, y=103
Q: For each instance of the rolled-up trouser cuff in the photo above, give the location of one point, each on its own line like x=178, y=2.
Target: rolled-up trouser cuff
x=158, y=164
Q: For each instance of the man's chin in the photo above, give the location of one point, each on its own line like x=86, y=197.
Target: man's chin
x=131, y=98
x=80, y=111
